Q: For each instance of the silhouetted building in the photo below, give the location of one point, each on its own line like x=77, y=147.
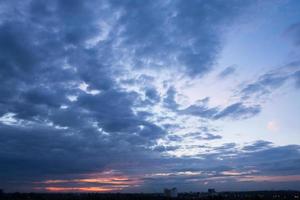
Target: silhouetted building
x=212, y=191
x=172, y=193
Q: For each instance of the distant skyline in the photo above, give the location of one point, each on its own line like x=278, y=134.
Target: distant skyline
x=141, y=95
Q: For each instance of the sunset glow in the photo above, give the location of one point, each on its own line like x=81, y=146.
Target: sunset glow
x=81, y=189
x=106, y=181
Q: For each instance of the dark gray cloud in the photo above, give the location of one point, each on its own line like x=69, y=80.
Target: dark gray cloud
x=169, y=100
x=297, y=78
x=233, y=111
x=178, y=35
x=201, y=109
x=270, y=81
x=165, y=148
x=264, y=85
x=152, y=96
x=229, y=167
x=258, y=145
x=293, y=33
x=227, y=71
x=238, y=111
x=43, y=60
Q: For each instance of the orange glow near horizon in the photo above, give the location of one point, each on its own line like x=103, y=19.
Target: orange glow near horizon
x=111, y=180
x=80, y=189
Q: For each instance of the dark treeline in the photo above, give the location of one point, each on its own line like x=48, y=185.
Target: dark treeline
x=262, y=195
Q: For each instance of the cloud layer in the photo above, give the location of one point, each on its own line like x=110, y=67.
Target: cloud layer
x=88, y=96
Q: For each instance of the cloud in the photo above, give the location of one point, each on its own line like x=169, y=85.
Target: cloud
x=77, y=97
x=268, y=82
x=233, y=111
x=200, y=110
x=297, y=78
x=293, y=33
x=229, y=166
x=258, y=145
x=152, y=95
x=203, y=136
x=169, y=100
x=178, y=36
x=107, y=181
x=227, y=72
x=264, y=85
x=237, y=111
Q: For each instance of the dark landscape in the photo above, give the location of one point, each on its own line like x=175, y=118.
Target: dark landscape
x=255, y=195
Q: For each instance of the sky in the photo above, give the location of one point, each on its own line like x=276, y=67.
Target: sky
x=141, y=95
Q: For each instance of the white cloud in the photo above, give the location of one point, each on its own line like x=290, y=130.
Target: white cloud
x=72, y=98
x=84, y=87
x=8, y=119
